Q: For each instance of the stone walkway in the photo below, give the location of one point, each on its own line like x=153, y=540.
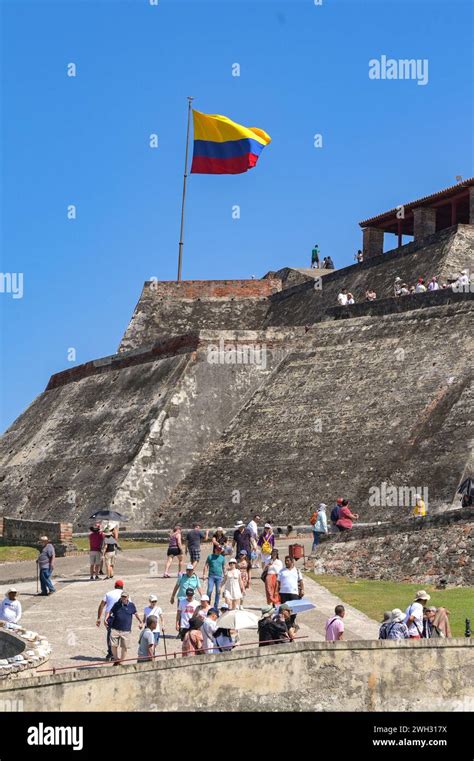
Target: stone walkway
x=68, y=617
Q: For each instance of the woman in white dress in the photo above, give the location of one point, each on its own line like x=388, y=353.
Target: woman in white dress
x=233, y=589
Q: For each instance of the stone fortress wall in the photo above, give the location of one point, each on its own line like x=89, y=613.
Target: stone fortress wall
x=161, y=433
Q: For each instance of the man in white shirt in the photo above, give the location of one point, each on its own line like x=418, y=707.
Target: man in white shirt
x=414, y=615
x=420, y=286
x=186, y=609
x=342, y=297
x=208, y=628
x=106, y=605
x=290, y=583
x=433, y=284
x=10, y=608
x=252, y=526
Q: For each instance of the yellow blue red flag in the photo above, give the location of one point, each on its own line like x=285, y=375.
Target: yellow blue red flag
x=222, y=146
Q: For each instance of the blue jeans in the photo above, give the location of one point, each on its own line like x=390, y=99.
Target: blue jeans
x=214, y=582
x=45, y=581
x=316, y=537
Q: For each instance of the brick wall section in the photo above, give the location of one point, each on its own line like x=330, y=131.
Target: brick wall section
x=214, y=289
x=15, y=531
x=169, y=348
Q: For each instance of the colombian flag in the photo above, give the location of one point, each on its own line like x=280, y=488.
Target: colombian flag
x=223, y=147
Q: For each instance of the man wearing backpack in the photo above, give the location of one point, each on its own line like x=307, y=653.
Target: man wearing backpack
x=414, y=615
x=334, y=516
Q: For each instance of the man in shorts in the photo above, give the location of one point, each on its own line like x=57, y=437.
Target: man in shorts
x=193, y=543
x=122, y=614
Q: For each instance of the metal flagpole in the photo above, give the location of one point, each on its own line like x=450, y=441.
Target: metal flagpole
x=180, y=254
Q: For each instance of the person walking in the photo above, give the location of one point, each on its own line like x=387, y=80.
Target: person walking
x=10, y=607
x=335, y=625
x=147, y=641
x=186, y=609
x=96, y=538
x=109, y=553
x=414, y=615
x=214, y=566
x=175, y=550
x=320, y=526
x=193, y=641
x=397, y=629
x=203, y=608
x=219, y=539
x=154, y=610
x=45, y=560
x=188, y=580
x=193, y=543
x=290, y=583
x=271, y=631
x=315, y=257
x=270, y=577
x=233, y=589
x=121, y=617
x=107, y=603
x=252, y=527
x=208, y=630
x=266, y=542
x=245, y=567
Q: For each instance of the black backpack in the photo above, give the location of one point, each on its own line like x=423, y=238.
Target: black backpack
x=334, y=514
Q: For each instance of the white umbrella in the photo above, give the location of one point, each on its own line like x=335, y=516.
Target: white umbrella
x=237, y=619
x=299, y=606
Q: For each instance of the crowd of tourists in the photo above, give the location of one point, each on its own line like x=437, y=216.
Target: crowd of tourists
x=400, y=288
x=419, y=621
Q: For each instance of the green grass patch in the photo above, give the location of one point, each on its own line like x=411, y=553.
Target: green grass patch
x=11, y=554
x=374, y=597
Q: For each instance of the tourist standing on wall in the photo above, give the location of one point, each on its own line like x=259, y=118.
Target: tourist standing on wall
x=270, y=577
x=266, y=542
x=147, y=641
x=315, y=257
x=344, y=522
x=193, y=543
x=10, y=607
x=320, y=525
x=414, y=615
x=214, y=566
x=189, y=580
x=233, y=589
x=335, y=625
x=121, y=618
x=108, y=602
x=96, y=538
x=154, y=610
x=175, y=550
x=45, y=562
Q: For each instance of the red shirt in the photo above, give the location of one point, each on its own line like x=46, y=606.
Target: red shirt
x=95, y=541
x=344, y=518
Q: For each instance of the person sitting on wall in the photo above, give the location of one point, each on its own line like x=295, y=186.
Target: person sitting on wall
x=346, y=517
x=342, y=297
x=404, y=290
x=433, y=285
x=350, y=299
x=397, y=286
x=420, y=286
x=419, y=510
x=359, y=257
x=370, y=294
x=329, y=263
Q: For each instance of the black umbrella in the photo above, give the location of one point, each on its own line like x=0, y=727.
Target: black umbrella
x=467, y=487
x=109, y=515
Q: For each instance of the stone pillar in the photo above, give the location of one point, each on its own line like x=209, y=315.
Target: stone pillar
x=471, y=205
x=424, y=222
x=372, y=242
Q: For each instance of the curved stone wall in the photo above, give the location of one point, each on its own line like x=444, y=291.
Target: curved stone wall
x=21, y=649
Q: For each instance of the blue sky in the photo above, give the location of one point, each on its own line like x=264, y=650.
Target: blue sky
x=84, y=140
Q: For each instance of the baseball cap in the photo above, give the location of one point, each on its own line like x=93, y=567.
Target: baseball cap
x=190, y=567
x=153, y=598
x=12, y=589
x=204, y=597
x=189, y=591
x=119, y=583
x=284, y=607
x=224, y=606
x=211, y=611
x=268, y=525
x=124, y=594
x=232, y=560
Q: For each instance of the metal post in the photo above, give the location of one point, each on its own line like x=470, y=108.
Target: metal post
x=181, y=234
x=467, y=632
